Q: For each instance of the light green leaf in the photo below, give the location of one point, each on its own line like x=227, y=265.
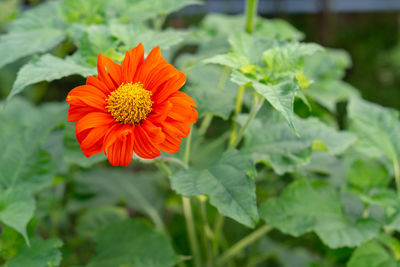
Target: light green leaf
x=141, y=10
x=16, y=209
x=371, y=254
x=98, y=217
x=41, y=253
x=367, y=174
x=305, y=206
x=269, y=138
x=377, y=129
x=25, y=167
x=205, y=91
x=228, y=183
x=139, y=191
x=84, y=11
x=133, y=34
x=38, y=30
x=131, y=243
x=47, y=68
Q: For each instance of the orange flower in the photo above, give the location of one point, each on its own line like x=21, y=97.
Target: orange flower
x=132, y=107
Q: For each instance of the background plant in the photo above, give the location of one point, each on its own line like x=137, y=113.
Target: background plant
x=272, y=174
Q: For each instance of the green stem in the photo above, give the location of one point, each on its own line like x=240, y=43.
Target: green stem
x=219, y=222
x=238, y=109
x=256, y=107
x=251, y=13
x=187, y=210
x=207, y=233
x=205, y=124
x=396, y=173
x=239, y=246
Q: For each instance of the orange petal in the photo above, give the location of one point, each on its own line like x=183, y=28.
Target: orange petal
x=109, y=72
x=93, y=142
x=132, y=62
x=152, y=60
x=92, y=120
x=96, y=82
x=143, y=146
x=77, y=112
x=170, y=87
x=121, y=151
x=160, y=112
x=154, y=133
x=158, y=76
x=87, y=95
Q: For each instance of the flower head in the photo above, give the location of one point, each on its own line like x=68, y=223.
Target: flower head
x=132, y=107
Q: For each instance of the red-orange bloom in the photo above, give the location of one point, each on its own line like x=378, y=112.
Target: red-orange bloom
x=132, y=107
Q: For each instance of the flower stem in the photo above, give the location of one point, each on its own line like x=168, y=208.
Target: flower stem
x=238, y=109
x=251, y=13
x=187, y=211
x=396, y=173
x=205, y=124
x=256, y=107
x=239, y=246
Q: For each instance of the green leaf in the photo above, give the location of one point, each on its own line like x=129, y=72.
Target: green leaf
x=329, y=92
x=227, y=184
x=41, y=253
x=96, y=218
x=133, y=34
x=205, y=91
x=84, y=11
x=131, y=243
x=270, y=139
x=25, y=167
x=47, y=68
x=141, y=10
x=305, y=206
x=139, y=191
x=368, y=174
x=371, y=254
x=38, y=30
x=377, y=129
x=16, y=209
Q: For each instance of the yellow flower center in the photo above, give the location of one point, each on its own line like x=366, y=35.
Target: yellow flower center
x=130, y=103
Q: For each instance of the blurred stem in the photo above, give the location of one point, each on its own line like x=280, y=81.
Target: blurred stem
x=251, y=13
x=158, y=22
x=221, y=85
x=396, y=173
x=205, y=124
x=187, y=211
x=239, y=246
x=238, y=109
x=257, y=104
x=219, y=222
x=207, y=233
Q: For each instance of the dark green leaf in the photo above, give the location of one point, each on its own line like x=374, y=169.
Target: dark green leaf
x=227, y=184
x=131, y=243
x=371, y=254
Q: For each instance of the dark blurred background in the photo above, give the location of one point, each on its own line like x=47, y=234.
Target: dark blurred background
x=368, y=29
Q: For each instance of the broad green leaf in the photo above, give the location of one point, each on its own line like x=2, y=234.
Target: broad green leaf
x=96, y=218
x=205, y=91
x=141, y=10
x=25, y=167
x=41, y=253
x=139, y=190
x=329, y=92
x=368, y=174
x=47, y=68
x=84, y=11
x=305, y=206
x=37, y=31
x=133, y=34
x=270, y=139
x=16, y=209
x=131, y=243
x=228, y=183
x=371, y=254
x=216, y=25
x=72, y=153
x=377, y=129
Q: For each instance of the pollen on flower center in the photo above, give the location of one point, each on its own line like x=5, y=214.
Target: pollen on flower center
x=130, y=103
